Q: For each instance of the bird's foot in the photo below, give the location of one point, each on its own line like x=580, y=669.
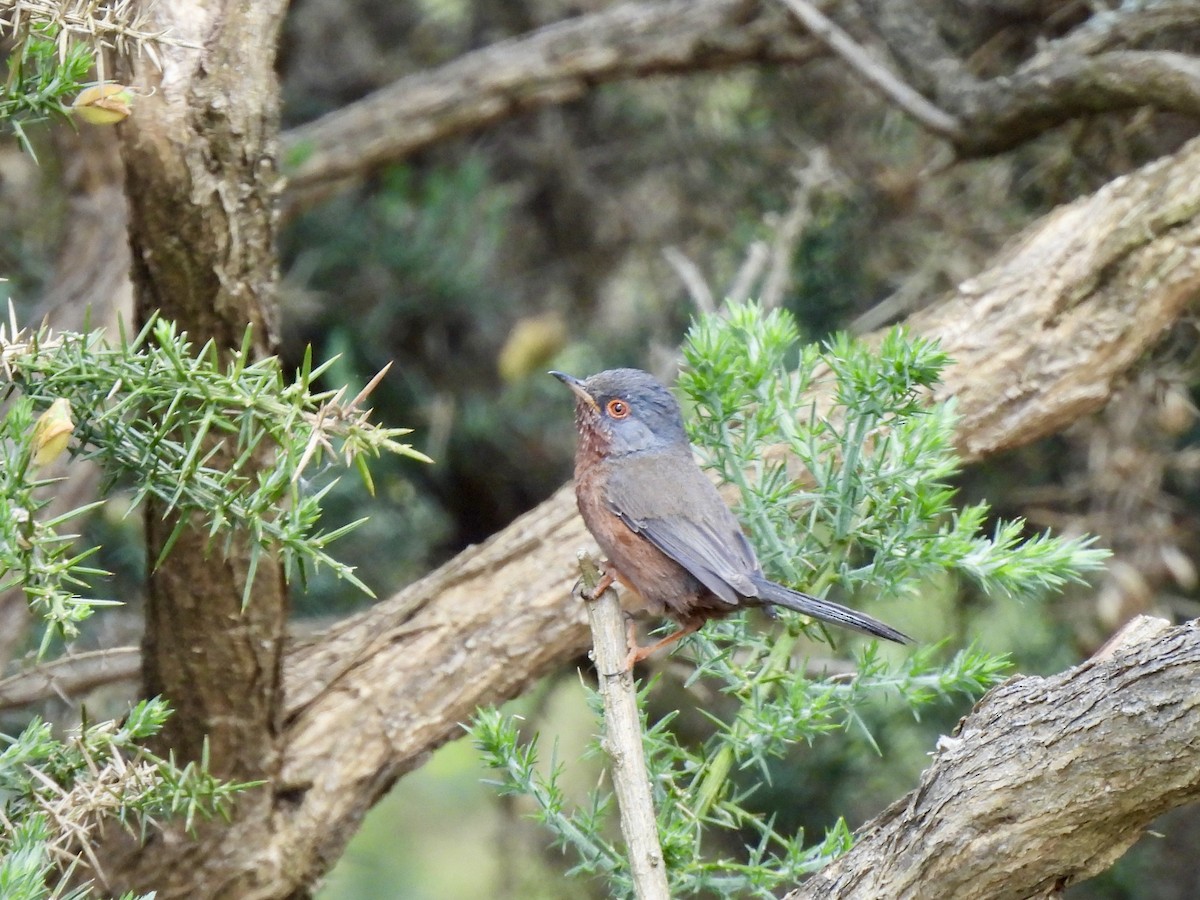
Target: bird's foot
x=638, y=653
x=606, y=581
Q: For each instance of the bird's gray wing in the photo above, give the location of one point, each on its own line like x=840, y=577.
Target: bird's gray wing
x=668, y=500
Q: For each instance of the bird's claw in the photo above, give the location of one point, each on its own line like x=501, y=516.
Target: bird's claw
x=636, y=655
x=606, y=581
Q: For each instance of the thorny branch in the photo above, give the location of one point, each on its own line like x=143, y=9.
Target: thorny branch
x=120, y=25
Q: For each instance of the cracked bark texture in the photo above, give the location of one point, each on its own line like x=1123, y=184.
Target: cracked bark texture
x=201, y=184
x=202, y=188
x=1047, y=782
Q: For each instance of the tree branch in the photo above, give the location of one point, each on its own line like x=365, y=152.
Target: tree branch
x=1088, y=71
x=70, y=675
x=874, y=73
x=1006, y=112
x=623, y=738
x=553, y=65
x=1046, y=333
x=1046, y=783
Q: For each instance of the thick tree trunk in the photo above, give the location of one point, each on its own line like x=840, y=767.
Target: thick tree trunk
x=202, y=189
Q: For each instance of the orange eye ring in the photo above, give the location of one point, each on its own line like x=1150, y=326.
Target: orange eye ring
x=617, y=409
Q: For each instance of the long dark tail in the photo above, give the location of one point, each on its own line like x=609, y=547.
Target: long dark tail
x=826, y=611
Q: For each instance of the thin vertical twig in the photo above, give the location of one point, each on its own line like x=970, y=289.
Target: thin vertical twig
x=623, y=739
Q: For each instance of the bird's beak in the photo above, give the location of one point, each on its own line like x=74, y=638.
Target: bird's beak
x=577, y=388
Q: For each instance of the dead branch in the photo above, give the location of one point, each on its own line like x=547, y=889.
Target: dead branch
x=70, y=676
x=1053, y=90
x=623, y=737
x=1098, y=67
x=877, y=75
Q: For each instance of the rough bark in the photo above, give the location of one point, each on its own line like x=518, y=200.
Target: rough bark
x=1047, y=782
x=202, y=189
x=1044, y=334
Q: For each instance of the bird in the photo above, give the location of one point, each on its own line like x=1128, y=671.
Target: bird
x=668, y=536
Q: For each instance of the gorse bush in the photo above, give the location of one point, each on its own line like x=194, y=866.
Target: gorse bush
x=187, y=427
x=842, y=468
x=43, y=72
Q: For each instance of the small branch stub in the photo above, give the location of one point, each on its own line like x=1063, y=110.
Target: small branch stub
x=623, y=737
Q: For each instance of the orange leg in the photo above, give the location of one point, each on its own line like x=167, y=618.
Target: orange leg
x=607, y=580
x=630, y=632
x=637, y=654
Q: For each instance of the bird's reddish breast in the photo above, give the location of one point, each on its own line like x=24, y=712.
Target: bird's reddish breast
x=662, y=585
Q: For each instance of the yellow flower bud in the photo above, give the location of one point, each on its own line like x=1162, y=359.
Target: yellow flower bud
x=51, y=432
x=104, y=104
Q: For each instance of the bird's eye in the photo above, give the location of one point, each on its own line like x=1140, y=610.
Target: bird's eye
x=618, y=409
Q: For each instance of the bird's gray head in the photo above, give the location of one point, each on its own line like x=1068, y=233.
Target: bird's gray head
x=623, y=411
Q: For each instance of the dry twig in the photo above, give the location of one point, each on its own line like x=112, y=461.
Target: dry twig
x=623, y=739
x=877, y=75
x=693, y=279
